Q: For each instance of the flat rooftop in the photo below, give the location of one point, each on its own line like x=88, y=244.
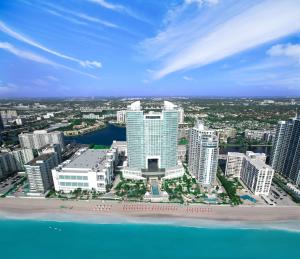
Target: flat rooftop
x=90, y=158
x=259, y=164
x=42, y=157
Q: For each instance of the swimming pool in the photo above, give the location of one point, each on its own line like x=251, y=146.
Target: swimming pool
x=154, y=189
x=247, y=197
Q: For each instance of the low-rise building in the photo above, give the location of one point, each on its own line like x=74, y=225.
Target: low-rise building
x=91, y=116
x=259, y=135
x=88, y=169
x=226, y=133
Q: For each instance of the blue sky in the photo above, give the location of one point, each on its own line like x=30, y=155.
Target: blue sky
x=149, y=48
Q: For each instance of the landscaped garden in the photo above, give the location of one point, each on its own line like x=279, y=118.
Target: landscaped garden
x=230, y=187
x=131, y=189
x=77, y=194
x=183, y=189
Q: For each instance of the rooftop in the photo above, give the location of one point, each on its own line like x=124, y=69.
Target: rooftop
x=42, y=157
x=91, y=158
x=259, y=164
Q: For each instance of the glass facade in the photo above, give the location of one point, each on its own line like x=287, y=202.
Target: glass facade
x=152, y=137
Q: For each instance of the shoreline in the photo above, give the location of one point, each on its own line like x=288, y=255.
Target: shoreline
x=99, y=212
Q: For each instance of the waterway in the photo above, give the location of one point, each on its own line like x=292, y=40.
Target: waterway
x=106, y=136
x=103, y=136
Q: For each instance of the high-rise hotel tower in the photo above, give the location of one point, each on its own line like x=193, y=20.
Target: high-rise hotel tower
x=285, y=156
x=152, y=142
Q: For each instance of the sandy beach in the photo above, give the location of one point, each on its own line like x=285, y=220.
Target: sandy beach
x=123, y=212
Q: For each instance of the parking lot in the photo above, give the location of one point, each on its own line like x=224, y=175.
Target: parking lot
x=9, y=183
x=279, y=196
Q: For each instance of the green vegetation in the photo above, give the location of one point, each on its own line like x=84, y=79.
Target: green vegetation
x=131, y=189
x=183, y=187
x=75, y=122
x=230, y=187
x=283, y=186
x=77, y=194
x=94, y=146
x=183, y=141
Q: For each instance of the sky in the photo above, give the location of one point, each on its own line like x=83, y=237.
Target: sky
x=93, y=48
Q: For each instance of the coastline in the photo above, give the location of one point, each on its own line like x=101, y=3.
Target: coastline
x=99, y=212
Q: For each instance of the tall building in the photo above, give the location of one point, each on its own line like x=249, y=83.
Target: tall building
x=14, y=161
x=89, y=169
x=203, y=154
x=1, y=124
x=234, y=164
x=41, y=138
x=22, y=156
x=285, y=156
x=39, y=172
x=257, y=176
x=152, y=142
x=7, y=165
x=52, y=148
x=121, y=116
x=1, y=128
x=252, y=170
x=180, y=115
x=8, y=116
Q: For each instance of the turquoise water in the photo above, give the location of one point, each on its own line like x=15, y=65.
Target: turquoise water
x=154, y=189
x=248, y=197
x=54, y=240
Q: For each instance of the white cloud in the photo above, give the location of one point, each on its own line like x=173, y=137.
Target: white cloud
x=37, y=58
x=85, y=63
x=187, y=78
x=119, y=8
x=286, y=50
x=108, y=5
x=201, y=2
x=95, y=20
x=70, y=19
x=80, y=15
x=26, y=54
x=210, y=37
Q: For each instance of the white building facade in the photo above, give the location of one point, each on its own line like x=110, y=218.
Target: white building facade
x=39, y=172
x=41, y=138
x=89, y=169
x=121, y=116
x=203, y=154
x=252, y=170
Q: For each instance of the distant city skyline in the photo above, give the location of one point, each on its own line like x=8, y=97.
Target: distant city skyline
x=202, y=48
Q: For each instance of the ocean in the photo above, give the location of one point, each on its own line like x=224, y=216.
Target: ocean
x=28, y=239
